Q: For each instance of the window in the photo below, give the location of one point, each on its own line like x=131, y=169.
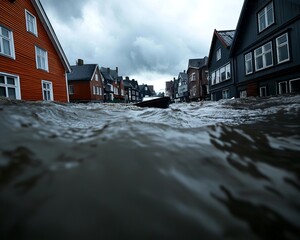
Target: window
x=295, y=85
x=193, y=77
x=265, y=17
x=47, y=90
x=248, y=63
x=219, y=54
x=213, y=78
x=71, y=89
x=223, y=74
x=217, y=76
x=6, y=42
x=96, y=76
x=282, y=87
x=9, y=86
x=228, y=71
x=243, y=94
x=41, y=58
x=262, y=91
x=282, y=45
x=225, y=94
x=263, y=57
x=94, y=90
x=30, y=23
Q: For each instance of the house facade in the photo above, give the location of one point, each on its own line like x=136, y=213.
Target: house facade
x=197, y=75
x=131, y=88
x=266, y=49
x=146, y=91
x=183, y=90
x=221, y=84
x=33, y=65
x=85, y=83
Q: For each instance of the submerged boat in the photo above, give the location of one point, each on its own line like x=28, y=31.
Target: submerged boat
x=155, y=102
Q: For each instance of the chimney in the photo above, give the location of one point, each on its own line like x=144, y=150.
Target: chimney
x=108, y=70
x=183, y=71
x=174, y=79
x=80, y=62
x=117, y=70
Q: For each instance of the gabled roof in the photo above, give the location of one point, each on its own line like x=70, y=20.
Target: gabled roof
x=82, y=72
x=225, y=37
x=50, y=31
x=109, y=74
x=183, y=76
x=197, y=63
x=246, y=6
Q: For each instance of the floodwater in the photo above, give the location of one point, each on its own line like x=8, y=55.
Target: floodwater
x=210, y=170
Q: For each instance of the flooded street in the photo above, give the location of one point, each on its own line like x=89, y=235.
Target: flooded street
x=213, y=170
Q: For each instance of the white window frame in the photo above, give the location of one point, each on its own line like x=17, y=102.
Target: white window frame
x=50, y=90
x=16, y=86
x=222, y=73
x=10, y=40
x=263, y=15
x=225, y=94
x=283, y=45
x=243, y=93
x=96, y=77
x=263, y=55
x=31, y=19
x=280, y=87
x=218, y=76
x=193, y=77
x=43, y=57
x=71, y=90
x=228, y=70
x=263, y=90
x=219, y=54
x=248, y=63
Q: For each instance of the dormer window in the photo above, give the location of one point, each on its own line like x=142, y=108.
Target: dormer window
x=31, y=23
x=219, y=54
x=265, y=17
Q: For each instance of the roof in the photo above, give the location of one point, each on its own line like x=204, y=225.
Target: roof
x=82, y=72
x=50, y=31
x=109, y=74
x=226, y=37
x=183, y=76
x=197, y=63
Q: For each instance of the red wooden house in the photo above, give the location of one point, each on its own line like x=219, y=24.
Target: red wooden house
x=85, y=83
x=33, y=65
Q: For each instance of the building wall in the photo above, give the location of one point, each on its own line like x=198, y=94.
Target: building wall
x=12, y=16
x=287, y=20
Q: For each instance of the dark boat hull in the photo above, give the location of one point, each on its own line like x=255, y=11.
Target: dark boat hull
x=162, y=102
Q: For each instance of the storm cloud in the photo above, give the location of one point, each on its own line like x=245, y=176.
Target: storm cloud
x=148, y=40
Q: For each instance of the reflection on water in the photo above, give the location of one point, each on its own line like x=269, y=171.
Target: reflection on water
x=217, y=170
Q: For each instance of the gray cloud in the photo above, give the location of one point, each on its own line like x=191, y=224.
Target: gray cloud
x=138, y=36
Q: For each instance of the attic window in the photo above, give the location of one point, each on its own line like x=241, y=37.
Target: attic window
x=265, y=17
x=31, y=23
x=219, y=54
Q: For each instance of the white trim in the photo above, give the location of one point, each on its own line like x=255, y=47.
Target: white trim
x=219, y=54
x=11, y=43
x=67, y=88
x=42, y=57
x=280, y=88
x=50, y=90
x=290, y=83
x=216, y=76
x=264, y=11
x=282, y=45
x=17, y=83
x=250, y=59
x=34, y=32
x=260, y=91
x=49, y=29
x=263, y=54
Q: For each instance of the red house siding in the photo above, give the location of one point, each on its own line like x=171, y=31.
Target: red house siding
x=12, y=16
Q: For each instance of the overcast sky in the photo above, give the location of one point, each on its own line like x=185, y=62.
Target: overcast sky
x=149, y=40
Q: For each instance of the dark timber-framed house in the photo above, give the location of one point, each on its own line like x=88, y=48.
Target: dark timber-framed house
x=266, y=49
x=197, y=75
x=221, y=84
